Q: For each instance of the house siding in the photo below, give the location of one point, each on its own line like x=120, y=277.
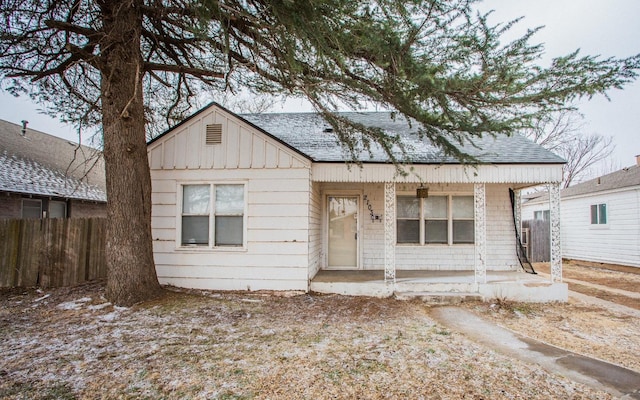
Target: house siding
x=11, y=207
x=501, y=254
x=278, y=201
x=315, y=230
x=617, y=242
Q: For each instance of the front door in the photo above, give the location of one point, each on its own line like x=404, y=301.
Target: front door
x=343, y=231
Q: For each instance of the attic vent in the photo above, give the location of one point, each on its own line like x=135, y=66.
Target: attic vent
x=214, y=134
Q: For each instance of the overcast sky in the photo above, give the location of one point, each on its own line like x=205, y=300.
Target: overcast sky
x=597, y=27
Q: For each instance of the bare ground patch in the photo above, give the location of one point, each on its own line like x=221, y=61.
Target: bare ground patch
x=614, y=276
x=71, y=343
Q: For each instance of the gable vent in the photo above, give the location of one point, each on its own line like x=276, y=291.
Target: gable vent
x=214, y=134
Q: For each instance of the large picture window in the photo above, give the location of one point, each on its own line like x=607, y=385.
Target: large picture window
x=212, y=214
x=445, y=219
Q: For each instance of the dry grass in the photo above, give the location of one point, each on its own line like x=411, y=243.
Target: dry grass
x=71, y=343
x=580, y=327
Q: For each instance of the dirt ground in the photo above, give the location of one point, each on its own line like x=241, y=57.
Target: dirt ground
x=610, y=275
x=71, y=343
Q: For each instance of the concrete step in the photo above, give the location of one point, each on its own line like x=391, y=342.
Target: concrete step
x=439, y=297
x=436, y=287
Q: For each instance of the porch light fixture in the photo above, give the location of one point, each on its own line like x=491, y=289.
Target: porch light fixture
x=422, y=192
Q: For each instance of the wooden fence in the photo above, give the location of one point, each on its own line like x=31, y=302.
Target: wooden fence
x=538, y=242
x=51, y=252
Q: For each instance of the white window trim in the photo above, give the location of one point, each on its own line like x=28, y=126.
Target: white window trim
x=449, y=196
x=599, y=226
x=211, y=246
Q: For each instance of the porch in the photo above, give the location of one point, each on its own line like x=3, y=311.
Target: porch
x=450, y=286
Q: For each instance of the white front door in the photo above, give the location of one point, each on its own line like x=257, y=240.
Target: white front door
x=343, y=231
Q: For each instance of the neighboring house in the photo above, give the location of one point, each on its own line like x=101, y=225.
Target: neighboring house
x=269, y=201
x=600, y=217
x=43, y=176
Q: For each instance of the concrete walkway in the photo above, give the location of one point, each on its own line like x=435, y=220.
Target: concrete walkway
x=618, y=381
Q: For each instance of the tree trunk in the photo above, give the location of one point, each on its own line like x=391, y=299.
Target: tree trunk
x=131, y=274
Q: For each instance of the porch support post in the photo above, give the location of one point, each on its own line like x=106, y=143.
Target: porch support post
x=517, y=201
x=480, y=258
x=390, y=232
x=556, y=249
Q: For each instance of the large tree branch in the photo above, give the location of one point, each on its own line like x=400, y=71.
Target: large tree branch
x=180, y=69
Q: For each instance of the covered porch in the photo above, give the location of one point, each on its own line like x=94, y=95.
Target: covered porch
x=484, y=266
x=456, y=285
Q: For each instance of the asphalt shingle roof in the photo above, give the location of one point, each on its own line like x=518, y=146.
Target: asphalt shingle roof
x=41, y=164
x=306, y=133
x=625, y=177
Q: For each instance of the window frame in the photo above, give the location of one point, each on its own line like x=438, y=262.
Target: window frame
x=422, y=219
x=60, y=202
x=545, y=214
x=598, y=208
x=39, y=201
x=210, y=246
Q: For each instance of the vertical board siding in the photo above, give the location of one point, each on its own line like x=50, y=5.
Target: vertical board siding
x=51, y=252
x=617, y=242
x=539, y=244
x=242, y=147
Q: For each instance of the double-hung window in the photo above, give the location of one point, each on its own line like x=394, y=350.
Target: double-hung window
x=212, y=215
x=445, y=219
x=598, y=214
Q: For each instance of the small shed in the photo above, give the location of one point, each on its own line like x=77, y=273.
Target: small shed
x=600, y=217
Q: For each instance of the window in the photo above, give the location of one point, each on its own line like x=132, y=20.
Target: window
x=212, y=214
x=435, y=220
x=57, y=209
x=31, y=208
x=408, y=220
x=598, y=214
x=542, y=215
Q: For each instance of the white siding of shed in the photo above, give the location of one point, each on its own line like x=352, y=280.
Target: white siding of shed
x=617, y=242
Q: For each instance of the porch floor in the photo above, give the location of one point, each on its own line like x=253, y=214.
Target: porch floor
x=457, y=276
x=513, y=285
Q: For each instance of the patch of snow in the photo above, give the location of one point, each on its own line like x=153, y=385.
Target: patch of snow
x=42, y=298
x=112, y=316
x=69, y=305
x=99, y=306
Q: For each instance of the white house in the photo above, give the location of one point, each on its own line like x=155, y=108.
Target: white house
x=268, y=201
x=600, y=218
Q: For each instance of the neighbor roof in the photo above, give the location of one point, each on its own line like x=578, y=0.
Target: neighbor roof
x=623, y=178
x=40, y=164
x=626, y=177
